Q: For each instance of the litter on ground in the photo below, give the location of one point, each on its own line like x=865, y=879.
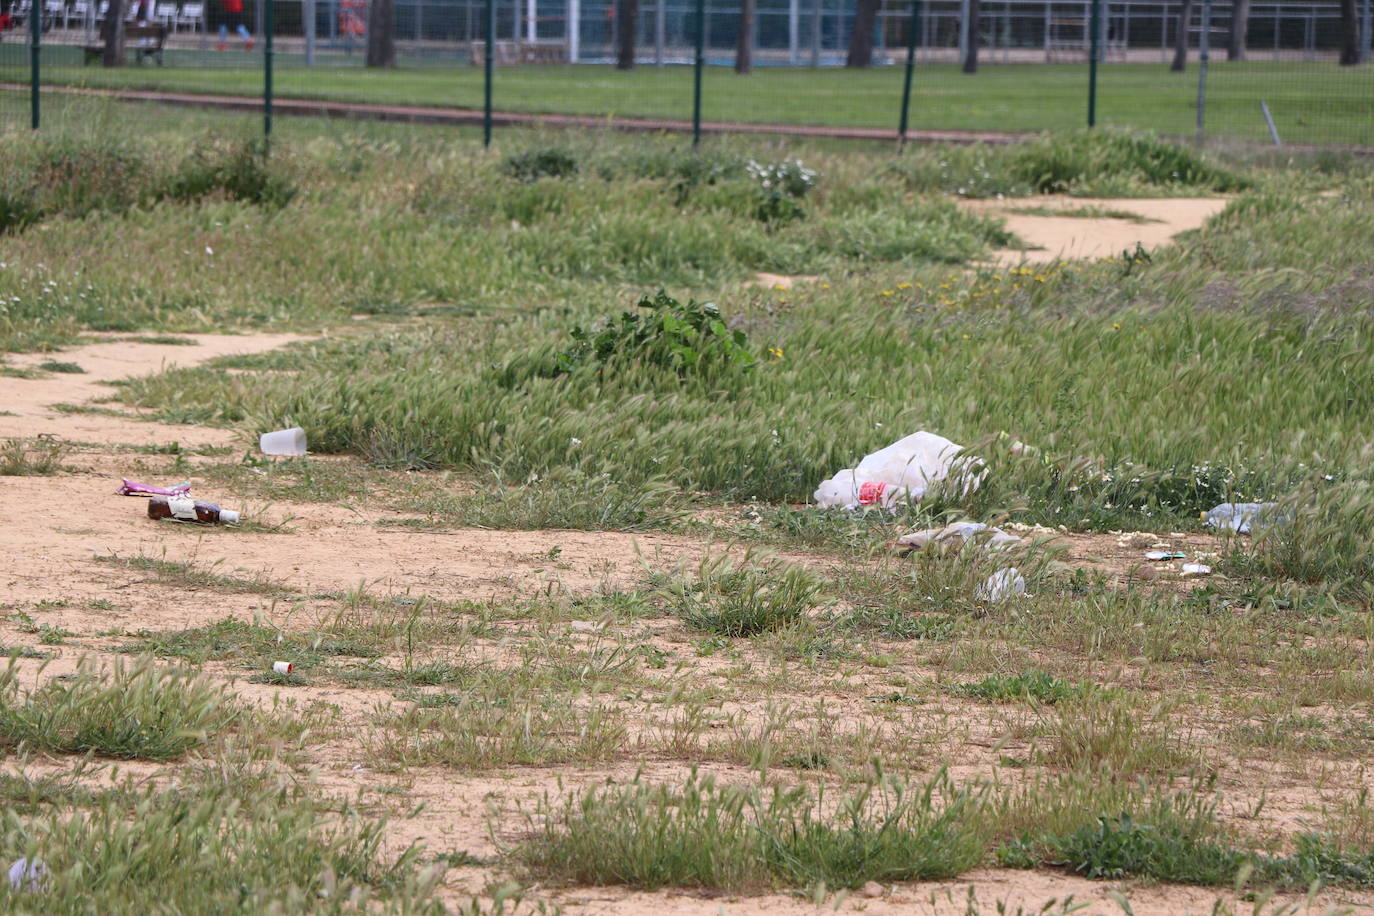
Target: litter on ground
x=1001, y=585
x=990, y=538
x=901, y=472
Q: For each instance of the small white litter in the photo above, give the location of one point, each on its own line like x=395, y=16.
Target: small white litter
x=28, y=875
x=1196, y=569
x=901, y=472
x=1164, y=555
x=991, y=538
x=1240, y=517
x=1001, y=585
x=289, y=442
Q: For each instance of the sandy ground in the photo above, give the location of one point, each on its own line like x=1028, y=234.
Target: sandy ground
x=30, y=403
x=1052, y=238
x=54, y=529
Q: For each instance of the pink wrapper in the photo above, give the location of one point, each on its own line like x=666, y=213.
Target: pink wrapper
x=134, y=488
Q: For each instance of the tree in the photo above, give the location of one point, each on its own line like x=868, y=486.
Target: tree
x=744, y=45
x=381, y=34
x=1240, y=27
x=111, y=33
x=1350, y=34
x=975, y=12
x=626, y=31
x=861, y=37
x=1185, y=16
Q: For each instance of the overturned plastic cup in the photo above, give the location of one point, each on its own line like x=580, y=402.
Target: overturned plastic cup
x=283, y=442
x=283, y=667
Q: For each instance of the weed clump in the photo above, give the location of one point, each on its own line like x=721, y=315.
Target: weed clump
x=136, y=713
x=1032, y=685
x=237, y=170
x=705, y=835
x=19, y=458
x=744, y=599
x=689, y=338
x=781, y=187
x=546, y=162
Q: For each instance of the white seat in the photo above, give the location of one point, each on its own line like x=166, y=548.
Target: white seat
x=165, y=13
x=192, y=14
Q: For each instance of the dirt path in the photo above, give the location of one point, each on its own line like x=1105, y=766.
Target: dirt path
x=1050, y=237
x=32, y=404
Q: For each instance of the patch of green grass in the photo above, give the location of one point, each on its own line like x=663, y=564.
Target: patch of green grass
x=742, y=598
x=22, y=458
x=131, y=712
x=206, y=845
x=188, y=574
x=1031, y=685
x=565, y=499
x=249, y=643
x=1082, y=213
x=53, y=365
x=515, y=731
x=1312, y=102
x=720, y=837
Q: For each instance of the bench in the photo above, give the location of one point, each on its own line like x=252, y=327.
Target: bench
x=142, y=40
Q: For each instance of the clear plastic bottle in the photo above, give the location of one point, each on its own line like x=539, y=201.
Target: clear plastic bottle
x=186, y=509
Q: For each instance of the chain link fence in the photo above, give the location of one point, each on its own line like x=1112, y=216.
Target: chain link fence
x=1250, y=71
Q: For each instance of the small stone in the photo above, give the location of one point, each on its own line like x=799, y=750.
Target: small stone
x=1145, y=573
x=872, y=889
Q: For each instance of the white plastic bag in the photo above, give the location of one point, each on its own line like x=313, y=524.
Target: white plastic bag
x=902, y=472
x=1001, y=585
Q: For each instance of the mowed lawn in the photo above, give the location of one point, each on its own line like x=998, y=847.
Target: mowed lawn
x=1316, y=103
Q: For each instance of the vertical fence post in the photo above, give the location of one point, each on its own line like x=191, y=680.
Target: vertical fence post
x=268, y=8
x=308, y=10
x=35, y=39
x=1367, y=42
x=699, y=63
x=913, y=38
x=489, y=62
x=1204, y=47
x=1093, y=53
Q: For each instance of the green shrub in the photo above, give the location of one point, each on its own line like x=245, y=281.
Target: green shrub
x=18, y=211
x=1068, y=162
x=238, y=170
x=546, y=162
x=686, y=339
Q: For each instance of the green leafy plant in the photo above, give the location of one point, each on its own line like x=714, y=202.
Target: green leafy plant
x=686, y=338
x=781, y=188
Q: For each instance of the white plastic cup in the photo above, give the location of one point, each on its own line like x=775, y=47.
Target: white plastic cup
x=283, y=442
x=283, y=667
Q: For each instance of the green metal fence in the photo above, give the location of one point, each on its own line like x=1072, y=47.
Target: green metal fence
x=1298, y=74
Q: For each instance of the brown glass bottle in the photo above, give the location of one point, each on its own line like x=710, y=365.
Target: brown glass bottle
x=185, y=509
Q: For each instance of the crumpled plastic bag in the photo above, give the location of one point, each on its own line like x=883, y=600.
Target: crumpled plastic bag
x=134, y=488
x=1001, y=585
x=1241, y=517
x=900, y=473
x=990, y=538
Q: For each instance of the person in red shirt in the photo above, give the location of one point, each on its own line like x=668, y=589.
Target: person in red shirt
x=233, y=16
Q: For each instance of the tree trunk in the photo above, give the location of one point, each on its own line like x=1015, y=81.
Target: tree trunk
x=974, y=27
x=1185, y=16
x=111, y=33
x=1350, y=34
x=1240, y=27
x=381, y=34
x=626, y=34
x=861, y=36
x=744, y=46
